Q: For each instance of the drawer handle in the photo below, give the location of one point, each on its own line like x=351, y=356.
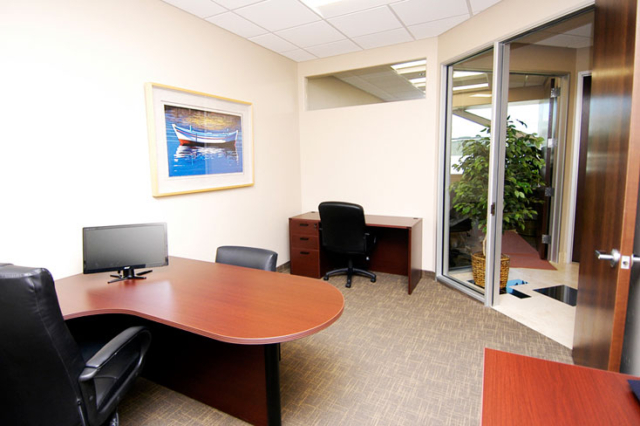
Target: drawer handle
x=304, y=224
x=304, y=252
x=304, y=238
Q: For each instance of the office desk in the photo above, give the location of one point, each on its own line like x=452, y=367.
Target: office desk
x=193, y=307
x=398, y=249
x=524, y=391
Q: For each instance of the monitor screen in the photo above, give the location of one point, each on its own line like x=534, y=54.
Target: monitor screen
x=113, y=248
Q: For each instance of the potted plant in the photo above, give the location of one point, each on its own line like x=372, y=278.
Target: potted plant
x=523, y=164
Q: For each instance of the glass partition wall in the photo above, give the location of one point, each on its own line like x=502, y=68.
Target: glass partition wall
x=466, y=180
x=506, y=125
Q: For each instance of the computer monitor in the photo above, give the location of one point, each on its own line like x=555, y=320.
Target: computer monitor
x=124, y=248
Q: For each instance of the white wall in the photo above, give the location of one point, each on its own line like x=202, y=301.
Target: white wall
x=382, y=156
x=74, y=139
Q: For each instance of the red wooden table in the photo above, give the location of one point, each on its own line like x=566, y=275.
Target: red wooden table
x=193, y=307
x=524, y=391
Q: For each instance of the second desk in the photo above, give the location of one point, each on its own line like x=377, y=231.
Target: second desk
x=398, y=249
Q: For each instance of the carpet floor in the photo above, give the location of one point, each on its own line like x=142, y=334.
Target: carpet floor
x=391, y=359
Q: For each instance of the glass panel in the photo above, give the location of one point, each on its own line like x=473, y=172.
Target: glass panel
x=400, y=81
x=468, y=170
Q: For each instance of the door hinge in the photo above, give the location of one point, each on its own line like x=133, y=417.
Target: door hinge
x=493, y=209
x=550, y=143
x=546, y=239
x=549, y=191
x=555, y=92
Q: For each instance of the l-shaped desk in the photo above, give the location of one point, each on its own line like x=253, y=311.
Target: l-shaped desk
x=215, y=328
x=398, y=250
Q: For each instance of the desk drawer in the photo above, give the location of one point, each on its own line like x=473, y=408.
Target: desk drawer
x=301, y=226
x=304, y=241
x=305, y=262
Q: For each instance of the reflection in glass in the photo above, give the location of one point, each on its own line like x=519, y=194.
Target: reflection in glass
x=399, y=81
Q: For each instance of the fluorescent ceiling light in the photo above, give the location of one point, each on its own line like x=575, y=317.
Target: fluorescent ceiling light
x=471, y=86
x=418, y=80
x=481, y=95
x=411, y=70
x=423, y=84
x=318, y=3
x=459, y=74
x=410, y=64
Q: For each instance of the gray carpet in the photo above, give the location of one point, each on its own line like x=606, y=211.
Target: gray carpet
x=391, y=359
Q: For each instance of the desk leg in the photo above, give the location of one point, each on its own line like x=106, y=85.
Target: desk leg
x=272, y=375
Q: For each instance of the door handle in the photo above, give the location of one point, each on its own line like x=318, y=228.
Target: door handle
x=629, y=261
x=613, y=257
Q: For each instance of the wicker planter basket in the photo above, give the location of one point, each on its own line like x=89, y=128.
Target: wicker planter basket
x=478, y=268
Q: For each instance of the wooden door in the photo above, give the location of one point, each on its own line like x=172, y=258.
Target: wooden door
x=611, y=185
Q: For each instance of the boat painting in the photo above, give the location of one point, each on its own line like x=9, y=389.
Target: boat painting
x=189, y=137
x=201, y=142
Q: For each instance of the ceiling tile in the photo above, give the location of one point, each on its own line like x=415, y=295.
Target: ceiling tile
x=200, y=8
x=276, y=15
x=298, y=55
x=386, y=38
x=435, y=28
x=237, y=24
x=583, y=31
x=345, y=7
x=367, y=22
x=235, y=4
x=332, y=49
x=273, y=42
x=311, y=34
x=413, y=12
x=478, y=6
x=566, y=40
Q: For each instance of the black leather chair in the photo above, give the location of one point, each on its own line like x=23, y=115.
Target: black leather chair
x=249, y=257
x=343, y=231
x=44, y=379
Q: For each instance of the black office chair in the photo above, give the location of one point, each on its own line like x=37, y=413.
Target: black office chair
x=44, y=379
x=344, y=232
x=248, y=257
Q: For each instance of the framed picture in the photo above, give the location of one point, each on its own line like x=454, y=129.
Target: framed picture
x=197, y=142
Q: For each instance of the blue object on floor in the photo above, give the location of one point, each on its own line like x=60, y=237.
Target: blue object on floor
x=512, y=283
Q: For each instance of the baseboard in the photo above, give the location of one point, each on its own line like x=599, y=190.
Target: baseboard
x=285, y=267
x=429, y=275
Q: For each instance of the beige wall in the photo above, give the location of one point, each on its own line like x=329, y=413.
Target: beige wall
x=380, y=156
x=74, y=142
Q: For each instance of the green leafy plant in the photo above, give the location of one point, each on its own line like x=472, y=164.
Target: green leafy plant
x=523, y=165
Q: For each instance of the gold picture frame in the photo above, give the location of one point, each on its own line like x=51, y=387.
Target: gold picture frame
x=197, y=142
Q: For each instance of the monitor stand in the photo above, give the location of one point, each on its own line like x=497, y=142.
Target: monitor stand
x=129, y=274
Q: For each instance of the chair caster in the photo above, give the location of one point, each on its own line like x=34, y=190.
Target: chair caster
x=326, y=278
x=373, y=280
x=348, y=284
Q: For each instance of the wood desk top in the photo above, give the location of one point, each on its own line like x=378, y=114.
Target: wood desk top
x=223, y=302
x=373, y=220
x=520, y=390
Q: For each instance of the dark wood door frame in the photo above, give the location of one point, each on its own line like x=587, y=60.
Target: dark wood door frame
x=611, y=185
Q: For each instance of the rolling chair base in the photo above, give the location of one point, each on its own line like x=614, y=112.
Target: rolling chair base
x=350, y=271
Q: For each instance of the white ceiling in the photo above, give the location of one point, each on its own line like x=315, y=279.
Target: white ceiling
x=301, y=31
